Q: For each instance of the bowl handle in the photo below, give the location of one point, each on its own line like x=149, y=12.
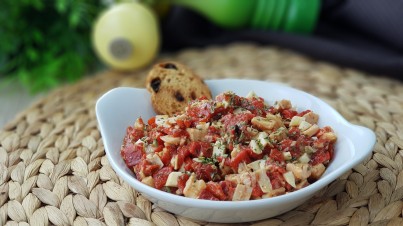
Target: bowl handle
x=362, y=146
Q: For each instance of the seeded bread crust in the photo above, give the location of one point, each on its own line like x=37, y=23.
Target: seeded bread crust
x=172, y=85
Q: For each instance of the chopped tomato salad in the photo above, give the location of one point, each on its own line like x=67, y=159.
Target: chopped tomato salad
x=231, y=148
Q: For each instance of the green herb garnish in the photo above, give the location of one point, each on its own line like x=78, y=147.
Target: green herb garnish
x=213, y=160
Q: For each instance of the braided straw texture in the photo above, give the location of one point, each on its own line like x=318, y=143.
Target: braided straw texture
x=53, y=168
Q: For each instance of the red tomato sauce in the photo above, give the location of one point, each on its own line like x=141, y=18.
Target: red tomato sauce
x=231, y=148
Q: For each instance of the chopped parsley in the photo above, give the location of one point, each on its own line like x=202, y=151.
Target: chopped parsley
x=213, y=160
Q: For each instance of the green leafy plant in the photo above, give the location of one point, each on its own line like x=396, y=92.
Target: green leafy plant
x=47, y=42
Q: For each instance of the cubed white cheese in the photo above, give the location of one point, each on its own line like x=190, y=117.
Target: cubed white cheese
x=139, y=141
x=169, y=139
x=301, y=171
x=317, y=171
x=182, y=168
x=138, y=124
x=219, y=149
x=304, y=125
x=289, y=177
x=309, y=149
x=296, y=120
x=242, y=168
x=161, y=119
x=256, y=146
x=242, y=192
x=284, y=104
x=233, y=177
x=304, y=158
x=235, y=151
x=154, y=159
x=203, y=125
x=193, y=187
x=330, y=136
x=256, y=165
x=311, y=130
x=172, y=180
x=240, y=110
x=174, y=162
x=263, y=138
x=263, y=180
x=311, y=117
x=225, y=103
x=148, y=181
x=196, y=134
x=287, y=155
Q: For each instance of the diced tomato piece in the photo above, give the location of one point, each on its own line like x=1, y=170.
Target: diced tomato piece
x=242, y=156
x=320, y=156
x=161, y=176
x=137, y=170
x=272, y=110
x=258, y=103
x=213, y=130
x=224, y=97
x=132, y=154
x=208, y=195
x=132, y=135
x=231, y=121
x=323, y=130
x=276, y=183
x=216, y=190
x=151, y=122
x=180, y=123
x=288, y=114
x=150, y=169
x=194, y=148
x=200, y=148
x=183, y=152
x=294, y=132
x=275, y=173
x=257, y=192
x=276, y=179
x=167, y=155
x=286, y=145
x=156, y=136
x=230, y=147
x=201, y=112
x=228, y=188
x=188, y=164
x=173, y=131
x=182, y=182
x=276, y=155
x=206, y=150
x=183, y=123
x=253, y=155
x=227, y=161
x=302, y=113
x=159, y=149
x=204, y=171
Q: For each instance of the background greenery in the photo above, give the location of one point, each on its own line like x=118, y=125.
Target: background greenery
x=46, y=42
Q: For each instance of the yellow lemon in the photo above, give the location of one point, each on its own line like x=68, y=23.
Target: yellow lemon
x=126, y=36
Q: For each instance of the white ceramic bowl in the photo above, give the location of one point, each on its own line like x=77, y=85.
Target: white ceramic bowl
x=119, y=108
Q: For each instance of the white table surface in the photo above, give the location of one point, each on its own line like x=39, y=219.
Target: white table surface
x=14, y=98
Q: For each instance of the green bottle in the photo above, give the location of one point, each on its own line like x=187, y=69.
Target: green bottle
x=294, y=16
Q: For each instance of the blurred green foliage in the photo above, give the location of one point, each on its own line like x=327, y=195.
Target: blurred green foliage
x=47, y=42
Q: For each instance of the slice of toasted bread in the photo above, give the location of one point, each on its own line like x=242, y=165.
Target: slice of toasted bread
x=172, y=85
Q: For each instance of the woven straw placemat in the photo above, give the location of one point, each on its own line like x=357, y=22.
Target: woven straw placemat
x=53, y=168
